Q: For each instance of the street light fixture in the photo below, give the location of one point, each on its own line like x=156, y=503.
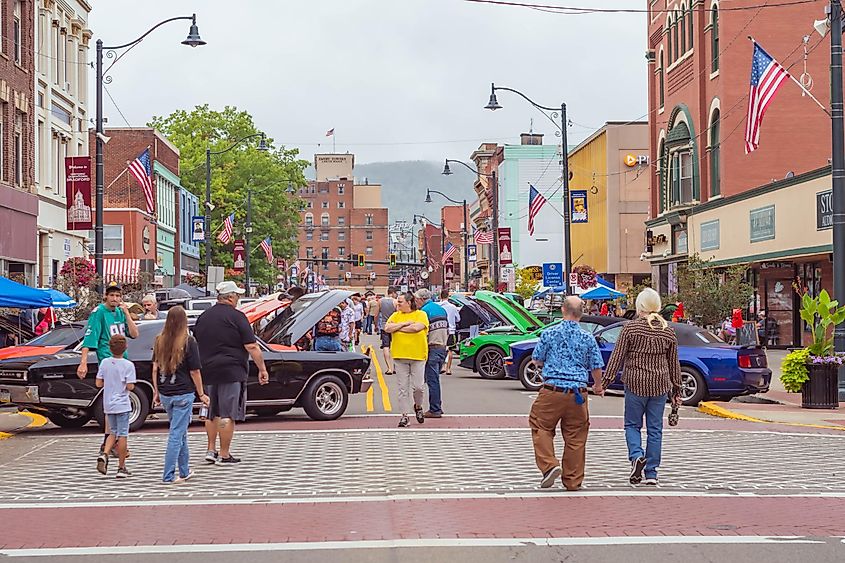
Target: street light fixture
x=465, y=265
x=493, y=105
x=193, y=40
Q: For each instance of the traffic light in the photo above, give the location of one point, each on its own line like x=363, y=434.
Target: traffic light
x=392, y=260
x=361, y=261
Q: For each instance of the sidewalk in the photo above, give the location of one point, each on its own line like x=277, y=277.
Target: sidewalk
x=775, y=406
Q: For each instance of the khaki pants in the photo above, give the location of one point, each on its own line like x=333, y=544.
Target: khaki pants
x=550, y=409
x=410, y=374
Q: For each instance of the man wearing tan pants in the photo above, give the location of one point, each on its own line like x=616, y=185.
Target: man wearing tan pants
x=567, y=355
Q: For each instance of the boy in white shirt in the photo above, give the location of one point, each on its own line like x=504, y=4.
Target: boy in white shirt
x=116, y=376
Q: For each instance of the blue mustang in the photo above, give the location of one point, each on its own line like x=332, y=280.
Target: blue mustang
x=709, y=367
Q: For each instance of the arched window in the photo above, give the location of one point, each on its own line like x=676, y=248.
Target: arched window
x=675, y=36
x=661, y=173
x=324, y=219
x=689, y=25
x=714, y=38
x=309, y=219
x=660, y=81
x=682, y=30
x=715, y=179
x=669, y=38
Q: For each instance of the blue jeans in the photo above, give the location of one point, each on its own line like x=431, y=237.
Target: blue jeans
x=368, y=324
x=636, y=408
x=327, y=344
x=436, y=358
x=179, y=409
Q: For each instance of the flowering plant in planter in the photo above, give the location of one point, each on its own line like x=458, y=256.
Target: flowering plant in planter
x=822, y=314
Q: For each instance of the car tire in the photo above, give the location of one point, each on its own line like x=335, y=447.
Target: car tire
x=529, y=374
x=693, y=387
x=486, y=361
x=325, y=398
x=68, y=420
x=140, y=409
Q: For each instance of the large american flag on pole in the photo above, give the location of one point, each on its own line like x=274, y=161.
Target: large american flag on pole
x=448, y=251
x=228, y=227
x=483, y=237
x=142, y=170
x=267, y=247
x=535, y=203
x=767, y=76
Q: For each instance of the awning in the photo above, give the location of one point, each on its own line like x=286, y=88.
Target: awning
x=121, y=269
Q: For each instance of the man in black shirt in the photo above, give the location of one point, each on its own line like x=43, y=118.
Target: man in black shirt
x=226, y=342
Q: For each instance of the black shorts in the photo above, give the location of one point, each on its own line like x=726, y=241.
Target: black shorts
x=386, y=337
x=359, y=324
x=228, y=400
x=452, y=342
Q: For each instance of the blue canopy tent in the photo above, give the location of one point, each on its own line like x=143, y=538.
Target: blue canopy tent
x=58, y=299
x=601, y=292
x=19, y=296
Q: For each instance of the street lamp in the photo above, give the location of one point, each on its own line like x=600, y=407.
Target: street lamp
x=465, y=266
x=493, y=105
x=193, y=40
x=262, y=146
x=494, y=186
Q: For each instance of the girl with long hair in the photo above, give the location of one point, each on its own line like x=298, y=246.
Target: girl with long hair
x=176, y=379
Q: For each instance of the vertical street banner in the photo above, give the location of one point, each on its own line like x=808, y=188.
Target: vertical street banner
x=197, y=228
x=578, y=207
x=239, y=255
x=450, y=269
x=281, y=264
x=472, y=253
x=505, y=247
x=78, y=192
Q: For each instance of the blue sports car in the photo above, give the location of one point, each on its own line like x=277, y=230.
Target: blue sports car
x=709, y=367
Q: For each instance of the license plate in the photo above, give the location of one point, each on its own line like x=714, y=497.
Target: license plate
x=5, y=396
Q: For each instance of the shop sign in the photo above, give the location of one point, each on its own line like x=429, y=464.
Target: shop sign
x=536, y=272
x=762, y=223
x=710, y=235
x=775, y=265
x=824, y=210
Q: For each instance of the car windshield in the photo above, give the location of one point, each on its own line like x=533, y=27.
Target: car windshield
x=201, y=305
x=59, y=336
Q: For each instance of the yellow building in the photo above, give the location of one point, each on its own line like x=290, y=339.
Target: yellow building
x=609, y=190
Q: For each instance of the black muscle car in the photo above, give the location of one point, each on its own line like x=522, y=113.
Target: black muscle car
x=319, y=382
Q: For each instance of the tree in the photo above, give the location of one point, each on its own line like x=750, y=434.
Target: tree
x=708, y=293
x=526, y=285
x=275, y=212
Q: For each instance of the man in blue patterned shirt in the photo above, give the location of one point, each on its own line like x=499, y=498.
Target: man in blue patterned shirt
x=568, y=355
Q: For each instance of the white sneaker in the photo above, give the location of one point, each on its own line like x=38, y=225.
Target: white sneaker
x=651, y=481
x=211, y=457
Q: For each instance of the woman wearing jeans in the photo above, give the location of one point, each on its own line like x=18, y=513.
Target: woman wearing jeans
x=408, y=328
x=647, y=352
x=176, y=375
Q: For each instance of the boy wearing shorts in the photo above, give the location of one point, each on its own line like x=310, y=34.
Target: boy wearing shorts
x=116, y=376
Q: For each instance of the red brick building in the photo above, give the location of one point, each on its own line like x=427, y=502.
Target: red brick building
x=341, y=220
x=18, y=202
x=452, y=219
x=707, y=196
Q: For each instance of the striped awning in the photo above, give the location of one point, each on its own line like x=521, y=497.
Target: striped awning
x=120, y=269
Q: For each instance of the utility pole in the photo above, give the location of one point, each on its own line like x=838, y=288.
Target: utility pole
x=248, y=230
x=838, y=174
x=567, y=230
x=495, y=186
x=207, y=216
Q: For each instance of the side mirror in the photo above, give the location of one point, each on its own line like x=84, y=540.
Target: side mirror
x=600, y=341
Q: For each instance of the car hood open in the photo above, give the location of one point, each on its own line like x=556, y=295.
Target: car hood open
x=292, y=324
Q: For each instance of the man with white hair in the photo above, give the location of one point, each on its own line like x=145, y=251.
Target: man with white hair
x=568, y=355
x=438, y=336
x=151, y=311
x=226, y=342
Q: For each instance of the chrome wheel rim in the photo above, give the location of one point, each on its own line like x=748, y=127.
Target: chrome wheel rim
x=490, y=363
x=689, y=386
x=135, y=402
x=533, y=374
x=329, y=398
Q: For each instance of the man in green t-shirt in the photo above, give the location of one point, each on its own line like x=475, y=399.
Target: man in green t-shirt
x=109, y=318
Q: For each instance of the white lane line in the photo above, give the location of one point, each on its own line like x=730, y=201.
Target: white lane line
x=31, y=505
x=405, y=543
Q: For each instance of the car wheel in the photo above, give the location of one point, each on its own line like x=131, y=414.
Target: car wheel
x=68, y=419
x=530, y=375
x=490, y=363
x=140, y=404
x=693, y=387
x=325, y=398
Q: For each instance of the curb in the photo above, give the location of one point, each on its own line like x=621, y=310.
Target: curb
x=35, y=421
x=713, y=409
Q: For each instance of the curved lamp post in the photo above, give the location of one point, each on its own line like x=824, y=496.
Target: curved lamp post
x=493, y=105
x=494, y=185
x=193, y=40
x=425, y=238
x=465, y=266
x=262, y=146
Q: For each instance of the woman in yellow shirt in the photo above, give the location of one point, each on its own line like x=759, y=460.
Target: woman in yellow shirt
x=408, y=327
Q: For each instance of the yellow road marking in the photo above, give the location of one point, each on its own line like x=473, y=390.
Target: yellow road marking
x=4, y=435
x=370, y=391
x=385, y=392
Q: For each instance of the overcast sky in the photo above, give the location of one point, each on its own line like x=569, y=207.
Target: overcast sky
x=396, y=79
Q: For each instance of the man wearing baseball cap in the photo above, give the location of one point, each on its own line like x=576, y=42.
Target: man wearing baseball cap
x=226, y=342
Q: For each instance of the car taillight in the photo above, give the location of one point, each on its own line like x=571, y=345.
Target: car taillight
x=744, y=361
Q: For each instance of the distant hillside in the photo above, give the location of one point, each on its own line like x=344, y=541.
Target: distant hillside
x=404, y=184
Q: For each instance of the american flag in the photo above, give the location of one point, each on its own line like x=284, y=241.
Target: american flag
x=448, y=251
x=142, y=170
x=330, y=132
x=433, y=265
x=536, y=201
x=268, y=250
x=767, y=76
x=228, y=226
x=483, y=237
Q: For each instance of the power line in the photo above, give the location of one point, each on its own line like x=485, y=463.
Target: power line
x=577, y=10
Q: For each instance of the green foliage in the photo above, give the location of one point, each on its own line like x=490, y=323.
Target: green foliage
x=793, y=370
x=526, y=285
x=78, y=279
x=633, y=291
x=710, y=294
x=275, y=213
x=821, y=313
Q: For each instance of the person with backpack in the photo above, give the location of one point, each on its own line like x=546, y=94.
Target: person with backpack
x=327, y=332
